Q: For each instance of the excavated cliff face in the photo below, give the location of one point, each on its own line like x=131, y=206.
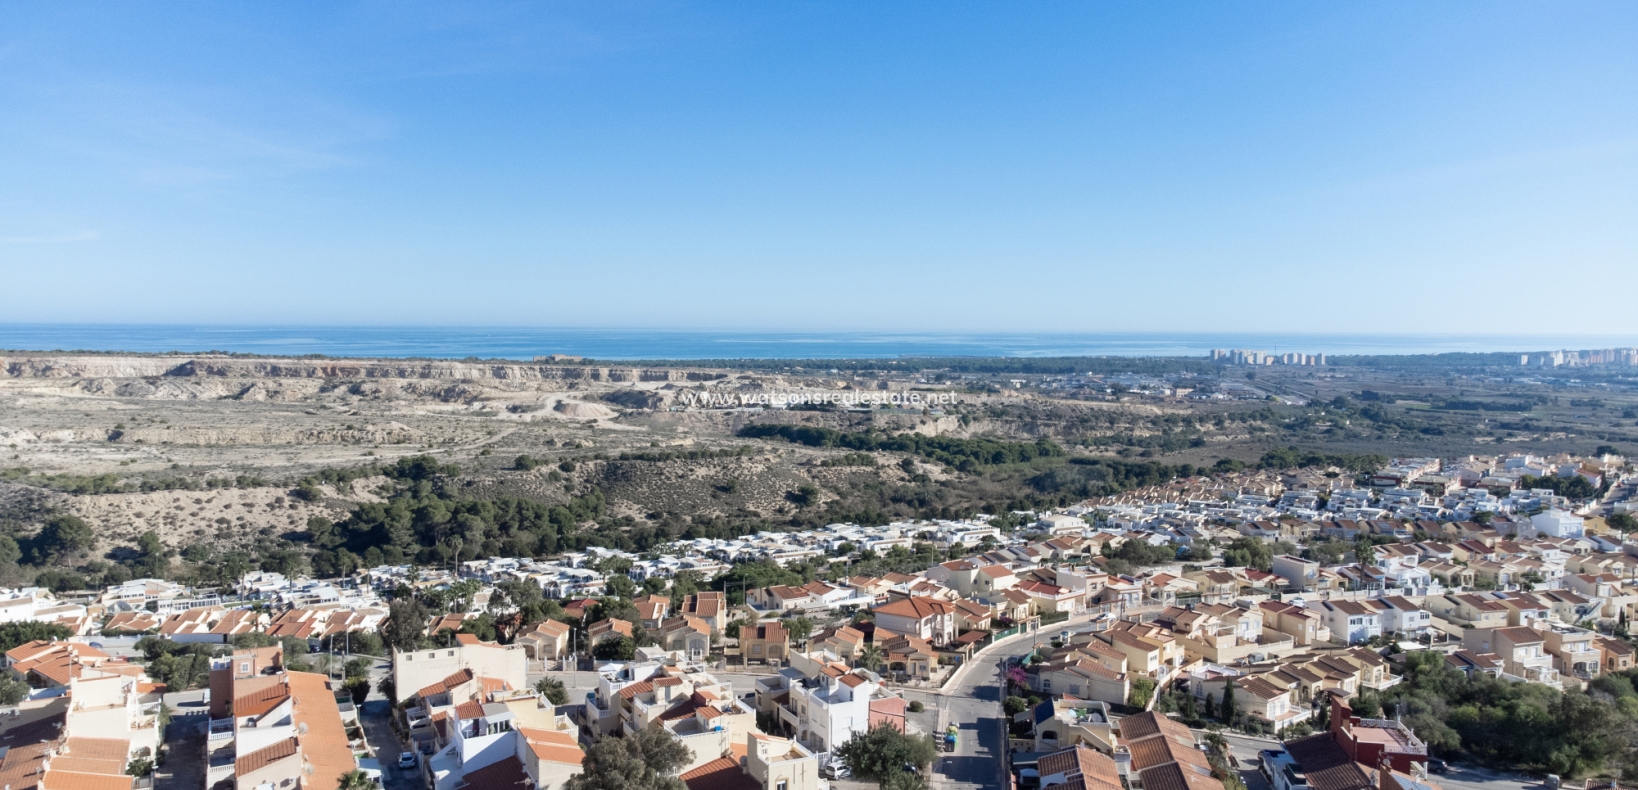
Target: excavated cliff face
x=206, y=368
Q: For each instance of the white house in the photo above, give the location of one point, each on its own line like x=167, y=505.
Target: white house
x=1350, y=622
x=1403, y=617
x=1558, y=524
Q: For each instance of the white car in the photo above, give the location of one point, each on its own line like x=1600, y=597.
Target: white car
x=407, y=760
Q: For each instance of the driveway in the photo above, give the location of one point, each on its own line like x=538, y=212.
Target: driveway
x=378, y=731
x=184, y=767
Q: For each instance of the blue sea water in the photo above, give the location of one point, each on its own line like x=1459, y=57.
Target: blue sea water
x=629, y=344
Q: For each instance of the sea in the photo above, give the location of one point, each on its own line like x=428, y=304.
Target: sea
x=524, y=343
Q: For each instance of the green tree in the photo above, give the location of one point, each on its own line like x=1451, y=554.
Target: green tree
x=1228, y=711
x=883, y=751
x=800, y=628
x=621, y=586
x=25, y=631
x=621, y=649
x=62, y=536
x=553, y=690
x=645, y=760
x=359, y=687
x=406, y=625
x=12, y=691
x=1249, y=552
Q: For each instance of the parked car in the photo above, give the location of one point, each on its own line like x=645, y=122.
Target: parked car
x=407, y=760
x=1437, y=765
x=836, y=770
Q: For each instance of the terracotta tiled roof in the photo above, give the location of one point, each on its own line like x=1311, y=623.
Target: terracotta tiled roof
x=1179, y=776
x=1326, y=763
x=722, y=773
x=446, y=684
x=553, y=746
x=506, y=774
x=1143, y=725
x=917, y=607
x=57, y=779
x=1093, y=769
x=637, y=688
x=261, y=700
x=324, y=744
x=265, y=756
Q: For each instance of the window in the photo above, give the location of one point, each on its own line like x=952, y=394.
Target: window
x=781, y=785
x=244, y=669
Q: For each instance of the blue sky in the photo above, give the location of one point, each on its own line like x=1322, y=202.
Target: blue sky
x=1314, y=167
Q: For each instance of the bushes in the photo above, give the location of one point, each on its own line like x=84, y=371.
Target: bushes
x=1143, y=690
x=950, y=451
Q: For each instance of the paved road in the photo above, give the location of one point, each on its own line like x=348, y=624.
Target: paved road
x=184, y=767
x=973, y=703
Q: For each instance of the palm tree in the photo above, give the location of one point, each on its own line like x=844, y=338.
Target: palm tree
x=355, y=780
x=870, y=657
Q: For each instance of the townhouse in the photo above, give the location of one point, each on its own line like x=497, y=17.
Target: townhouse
x=273, y=727
x=1350, y=622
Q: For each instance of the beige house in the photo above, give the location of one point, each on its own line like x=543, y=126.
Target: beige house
x=1081, y=679
x=764, y=643
x=1216, y=585
x=844, y=642
x=1469, y=610
x=607, y=630
x=1523, y=652
x=691, y=635
x=923, y=618
x=1303, y=626
x=549, y=639
x=1257, y=698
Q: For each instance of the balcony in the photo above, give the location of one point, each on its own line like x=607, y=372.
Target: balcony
x=221, y=729
x=1381, y=685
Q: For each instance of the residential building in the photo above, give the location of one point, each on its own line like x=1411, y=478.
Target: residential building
x=819, y=700
x=274, y=728
x=764, y=642
x=924, y=618
x=1403, y=617
x=1523, y=652
x=421, y=668
x=1350, y=622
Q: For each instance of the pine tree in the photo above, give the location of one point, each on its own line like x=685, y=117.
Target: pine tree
x=1228, y=702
